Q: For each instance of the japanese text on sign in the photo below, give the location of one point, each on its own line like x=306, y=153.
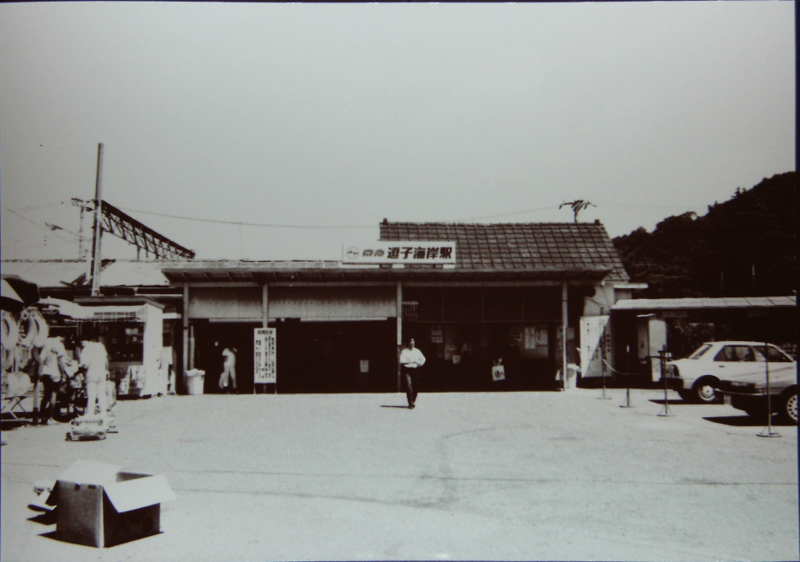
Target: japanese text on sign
x=264, y=355
x=405, y=252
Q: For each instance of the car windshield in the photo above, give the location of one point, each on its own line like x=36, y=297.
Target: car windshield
x=700, y=351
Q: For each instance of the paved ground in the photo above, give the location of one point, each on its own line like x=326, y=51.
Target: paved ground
x=502, y=476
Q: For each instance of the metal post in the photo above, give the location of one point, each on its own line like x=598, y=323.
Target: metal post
x=627, y=403
x=767, y=431
x=665, y=412
x=98, y=232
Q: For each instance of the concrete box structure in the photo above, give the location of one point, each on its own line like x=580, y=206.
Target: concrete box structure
x=99, y=505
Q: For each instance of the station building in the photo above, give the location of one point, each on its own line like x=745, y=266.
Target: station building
x=536, y=296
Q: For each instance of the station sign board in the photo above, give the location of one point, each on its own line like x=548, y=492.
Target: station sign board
x=412, y=252
x=264, y=356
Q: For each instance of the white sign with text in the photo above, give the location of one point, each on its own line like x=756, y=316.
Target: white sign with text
x=401, y=252
x=264, y=371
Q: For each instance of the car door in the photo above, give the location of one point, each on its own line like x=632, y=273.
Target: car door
x=736, y=361
x=782, y=369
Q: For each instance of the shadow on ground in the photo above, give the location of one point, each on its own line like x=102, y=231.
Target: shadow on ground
x=746, y=421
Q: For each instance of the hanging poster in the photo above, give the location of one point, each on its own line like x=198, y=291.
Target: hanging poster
x=591, y=351
x=264, y=371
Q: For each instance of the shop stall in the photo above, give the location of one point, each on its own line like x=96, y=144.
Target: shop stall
x=131, y=329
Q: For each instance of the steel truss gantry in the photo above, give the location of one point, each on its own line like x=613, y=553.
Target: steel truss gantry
x=124, y=226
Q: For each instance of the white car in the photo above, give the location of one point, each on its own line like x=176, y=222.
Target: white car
x=697, y=376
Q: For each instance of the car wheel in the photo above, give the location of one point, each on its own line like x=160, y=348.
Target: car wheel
x=704, y=390
x=788, y=409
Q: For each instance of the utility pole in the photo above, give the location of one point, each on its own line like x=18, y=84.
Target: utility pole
x=98, y=232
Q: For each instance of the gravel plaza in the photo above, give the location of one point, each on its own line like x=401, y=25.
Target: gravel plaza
x=464, y=476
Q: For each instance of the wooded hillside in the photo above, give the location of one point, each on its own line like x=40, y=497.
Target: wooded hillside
x=745, y=246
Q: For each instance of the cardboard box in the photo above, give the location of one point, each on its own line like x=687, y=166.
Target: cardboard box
x=86, y=428
x=99, y=505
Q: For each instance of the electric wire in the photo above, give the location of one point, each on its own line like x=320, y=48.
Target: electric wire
x=308, y=227
x=547, y=208
x=314, y=227
x=37, y=225
x=243, y=223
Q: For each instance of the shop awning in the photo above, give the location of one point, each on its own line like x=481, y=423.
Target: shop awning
x=109, y=313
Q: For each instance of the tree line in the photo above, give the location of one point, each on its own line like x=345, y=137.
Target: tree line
x=746, y=246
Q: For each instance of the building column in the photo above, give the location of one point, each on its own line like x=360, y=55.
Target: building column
x=187, y=360
x=399, y=332
x=265, y=307
x=564, y=334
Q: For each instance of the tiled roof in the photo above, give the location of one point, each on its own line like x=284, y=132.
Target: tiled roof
x=519, y=246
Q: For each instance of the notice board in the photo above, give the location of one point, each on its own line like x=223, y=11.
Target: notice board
x=264, y=348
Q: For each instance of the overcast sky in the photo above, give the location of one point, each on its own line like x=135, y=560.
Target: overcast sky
x=303, y=116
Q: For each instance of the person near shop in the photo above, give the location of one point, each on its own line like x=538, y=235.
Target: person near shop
x=94, y=362
x=53, y=361
x=228, y=370
x=411, y=362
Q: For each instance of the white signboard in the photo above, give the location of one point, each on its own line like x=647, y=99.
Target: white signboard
x=592, y=330
x=264, y=371
x=405, y=252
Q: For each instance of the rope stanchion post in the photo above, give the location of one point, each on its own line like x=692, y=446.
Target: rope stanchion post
x=627, y=376
x=662, y=355
x=768, y=431
x=627, y=403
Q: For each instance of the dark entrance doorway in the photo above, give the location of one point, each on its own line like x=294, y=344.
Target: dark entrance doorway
x=211, y=338
x=321, y=357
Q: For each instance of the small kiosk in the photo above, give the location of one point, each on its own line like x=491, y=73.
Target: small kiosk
x=131, y=329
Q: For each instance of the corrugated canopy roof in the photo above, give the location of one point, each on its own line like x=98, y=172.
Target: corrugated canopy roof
x=705, y=303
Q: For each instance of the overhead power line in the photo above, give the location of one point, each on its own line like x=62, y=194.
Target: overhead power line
x=315, y=227
x=242, y=223
x=37, y=225
x=547, y=208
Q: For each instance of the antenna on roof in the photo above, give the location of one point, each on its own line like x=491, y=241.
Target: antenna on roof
x=577, y=206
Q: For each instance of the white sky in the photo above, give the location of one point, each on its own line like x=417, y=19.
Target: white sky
x=329, y=115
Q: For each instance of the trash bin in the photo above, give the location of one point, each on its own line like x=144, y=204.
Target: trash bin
x=194, y=381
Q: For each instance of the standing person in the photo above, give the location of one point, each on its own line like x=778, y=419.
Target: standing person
x=228, y=369
x=411, y=360
x=52, y=363
x=94, y=359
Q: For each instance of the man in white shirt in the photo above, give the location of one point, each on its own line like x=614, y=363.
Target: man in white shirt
x=228, y=370
x=94, y=359
x=411, y=360
x=52, y=363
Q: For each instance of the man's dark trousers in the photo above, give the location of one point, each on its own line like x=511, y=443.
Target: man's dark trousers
x=412, y=384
